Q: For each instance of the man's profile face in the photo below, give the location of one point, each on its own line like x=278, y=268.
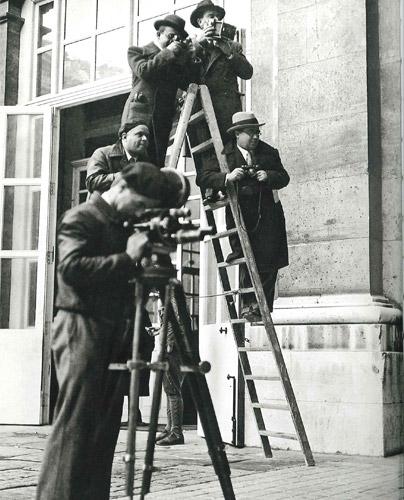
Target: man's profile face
x=136, y=140
x=167, y=35
x=131, y=204
x=248, y=138
x=208, y=19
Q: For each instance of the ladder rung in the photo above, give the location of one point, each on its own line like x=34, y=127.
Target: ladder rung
x=254, y=349
x=234, y=262
x=224, y=234
x=270, y=406
x=240, y=291
x=196, y=117
x=281, y=435
x=261, y=377
x=203, y=146
x=217, y=204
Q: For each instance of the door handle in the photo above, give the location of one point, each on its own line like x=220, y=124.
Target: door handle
x=223, y=330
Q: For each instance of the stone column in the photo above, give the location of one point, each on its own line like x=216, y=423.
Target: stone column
x=324, y=83
x=10, y=28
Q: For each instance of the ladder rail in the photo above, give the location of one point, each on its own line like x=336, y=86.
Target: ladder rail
x=237, y=325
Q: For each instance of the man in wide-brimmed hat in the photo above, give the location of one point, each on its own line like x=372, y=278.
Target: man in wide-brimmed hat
x=223, y=62
x=159, y=69
x=257, y=170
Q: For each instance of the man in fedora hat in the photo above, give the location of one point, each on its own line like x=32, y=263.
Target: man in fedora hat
x=257, y=170
x=223, y=62
x=159, y=69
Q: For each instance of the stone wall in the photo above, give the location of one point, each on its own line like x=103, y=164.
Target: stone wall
x=327, y=82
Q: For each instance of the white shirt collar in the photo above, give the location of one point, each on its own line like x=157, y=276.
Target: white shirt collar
x=244, y=152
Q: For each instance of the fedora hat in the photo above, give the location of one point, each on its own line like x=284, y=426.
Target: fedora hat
x=243, y=119
x=204, y=6
x=173, y=21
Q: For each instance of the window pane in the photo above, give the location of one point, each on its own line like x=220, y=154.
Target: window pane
x=111, y=54
x=46, y=20
x=26, y=160
x=148, y=8
x=18, y=279
x=186, y=14
x=80, y=18
x=112, y=14
x=43, y=76
x=21, y=217
x=146, y=31
x=77, y=63
x=211, y=287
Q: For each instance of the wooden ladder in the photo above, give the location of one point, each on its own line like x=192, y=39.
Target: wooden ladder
x=198, y=122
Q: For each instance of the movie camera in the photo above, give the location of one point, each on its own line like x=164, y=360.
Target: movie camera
x=224, y=30
x=168, y=227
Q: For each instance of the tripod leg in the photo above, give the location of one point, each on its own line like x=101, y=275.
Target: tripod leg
x=200, y=393
x=134, y=392
x=151, y=438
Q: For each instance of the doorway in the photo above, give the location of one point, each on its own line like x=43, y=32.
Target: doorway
x=83, y=129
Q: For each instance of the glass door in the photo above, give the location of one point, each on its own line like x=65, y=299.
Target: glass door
x=25, y=135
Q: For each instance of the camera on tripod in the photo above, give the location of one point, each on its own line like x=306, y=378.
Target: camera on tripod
x=250, y=170
x=168, y=227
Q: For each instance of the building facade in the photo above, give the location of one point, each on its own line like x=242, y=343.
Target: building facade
x=326, y=81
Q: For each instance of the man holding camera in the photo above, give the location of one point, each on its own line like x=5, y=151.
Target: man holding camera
x=97, y=256
x=159, y=69
x=257, y=171
x=223, y=62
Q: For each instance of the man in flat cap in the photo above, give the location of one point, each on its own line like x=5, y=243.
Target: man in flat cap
x=106, y=162
x=159, y=69
x=97, y=256
x=223, y=62
x=257, y=170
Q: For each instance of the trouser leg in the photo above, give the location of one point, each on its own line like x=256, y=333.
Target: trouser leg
x=268, y=280
x=79, y=453
x=172, y=383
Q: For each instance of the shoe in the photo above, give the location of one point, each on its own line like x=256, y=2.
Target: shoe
x=171, y=440
x=162, y=435
x=251, y=314
x=237, y=254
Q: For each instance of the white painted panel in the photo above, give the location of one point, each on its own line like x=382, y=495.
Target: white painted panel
x=20, y=376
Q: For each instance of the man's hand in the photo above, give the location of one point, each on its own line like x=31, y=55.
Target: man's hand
x=175, y=47
x=206, y=35
x=136, y=245
x=261, y=176
x=223, y=45
x=235, y=175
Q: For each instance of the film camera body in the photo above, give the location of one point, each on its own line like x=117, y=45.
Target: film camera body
x=250, y=170
x=224, y=30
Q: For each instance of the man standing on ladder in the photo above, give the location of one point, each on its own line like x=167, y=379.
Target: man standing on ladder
x=257, y=170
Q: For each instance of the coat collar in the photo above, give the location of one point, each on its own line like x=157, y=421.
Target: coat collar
x=213, y=55
x=105, y=208
x=117, y=150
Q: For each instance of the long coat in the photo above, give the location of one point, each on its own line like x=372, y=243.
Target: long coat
x=220, y=75
x=92, y=328
x=156, y=77
x=268, y=235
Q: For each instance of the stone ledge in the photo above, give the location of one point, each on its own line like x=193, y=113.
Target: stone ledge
x=335, y=309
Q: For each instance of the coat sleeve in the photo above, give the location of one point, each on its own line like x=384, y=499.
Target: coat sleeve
x=241, y=67
x=77, y=241
x=278, y=178
x=211, y=176
x=149, y=68
x=99, y=177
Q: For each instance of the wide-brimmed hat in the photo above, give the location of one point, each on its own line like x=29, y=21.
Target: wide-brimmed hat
x=204, y=6
x=243, y=119
x=173, y=21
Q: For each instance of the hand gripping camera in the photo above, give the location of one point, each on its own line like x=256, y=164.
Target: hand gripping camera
x=250, y=170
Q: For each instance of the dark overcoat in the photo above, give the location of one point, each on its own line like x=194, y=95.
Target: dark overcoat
x=92, y=328
x=267, y=233
x=219, y=74
x=156, y=77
